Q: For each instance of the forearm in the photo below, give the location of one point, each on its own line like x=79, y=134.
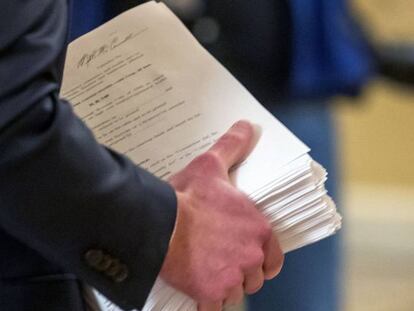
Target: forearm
x=64, y=194
x=61, y=193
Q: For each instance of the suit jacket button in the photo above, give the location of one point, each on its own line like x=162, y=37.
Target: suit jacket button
x=122, y=274
x=93, y=257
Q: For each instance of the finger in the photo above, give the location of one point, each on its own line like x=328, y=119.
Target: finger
x=274, y=258
x=253, y=281
x=235, y=144
x=210, y=306
x=235, y=297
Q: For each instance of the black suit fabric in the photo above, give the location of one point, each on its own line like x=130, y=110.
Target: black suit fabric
x=70, y=209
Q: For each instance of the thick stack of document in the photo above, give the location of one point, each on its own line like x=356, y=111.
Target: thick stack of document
x=298, y=208
x=147, y=89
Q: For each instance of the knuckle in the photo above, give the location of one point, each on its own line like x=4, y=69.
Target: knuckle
x=276, y=266
x=219, y=288
x=216, y=294
x=279, y=262
x=255, y=287
x=208, y=160
x=237, y=279
x=233, y=138
x=243, y=126
x=265, y=230
x=239, y=199
x=232, y=279
x=231, y=199
x=244, y=202
x=256, y=258
x=207, y=293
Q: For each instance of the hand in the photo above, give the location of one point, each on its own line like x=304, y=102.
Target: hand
x=222, y=246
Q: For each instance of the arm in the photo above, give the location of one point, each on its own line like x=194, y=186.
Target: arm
x=83, y=206
x=61, y=192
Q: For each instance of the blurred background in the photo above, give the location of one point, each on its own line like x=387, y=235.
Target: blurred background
x=375, y=145
x=376, y=134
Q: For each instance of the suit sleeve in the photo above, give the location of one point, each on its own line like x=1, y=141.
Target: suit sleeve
x=82, y=206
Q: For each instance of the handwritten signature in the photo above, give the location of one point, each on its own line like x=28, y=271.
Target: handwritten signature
x=115, y=42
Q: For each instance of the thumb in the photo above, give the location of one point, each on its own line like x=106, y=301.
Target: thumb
x=234, y=146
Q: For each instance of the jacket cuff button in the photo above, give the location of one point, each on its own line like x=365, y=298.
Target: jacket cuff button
x=93, y=257
x=105, y=263
x=122, y=274
x=113, y=268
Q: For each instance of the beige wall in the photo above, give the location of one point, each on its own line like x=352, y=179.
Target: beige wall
x=377, y=135
x=377, y=147
x=377, y=129
x=387, y=19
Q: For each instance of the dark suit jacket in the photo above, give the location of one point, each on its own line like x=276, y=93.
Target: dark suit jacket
x=70, y=209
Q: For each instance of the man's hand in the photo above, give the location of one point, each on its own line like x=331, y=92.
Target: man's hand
x=222, y=246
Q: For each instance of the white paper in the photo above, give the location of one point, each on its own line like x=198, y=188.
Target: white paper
x=163, y=101
x=149, y=90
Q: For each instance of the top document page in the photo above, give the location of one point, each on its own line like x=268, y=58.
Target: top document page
x=147, y=89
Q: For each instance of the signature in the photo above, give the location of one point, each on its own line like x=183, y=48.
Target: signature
x=115, y=42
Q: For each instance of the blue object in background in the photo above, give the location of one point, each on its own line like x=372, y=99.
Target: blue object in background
x=330, y=55
x=89, y=14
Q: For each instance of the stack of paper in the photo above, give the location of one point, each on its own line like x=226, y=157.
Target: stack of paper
x=298, y=208
x=147, y=89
